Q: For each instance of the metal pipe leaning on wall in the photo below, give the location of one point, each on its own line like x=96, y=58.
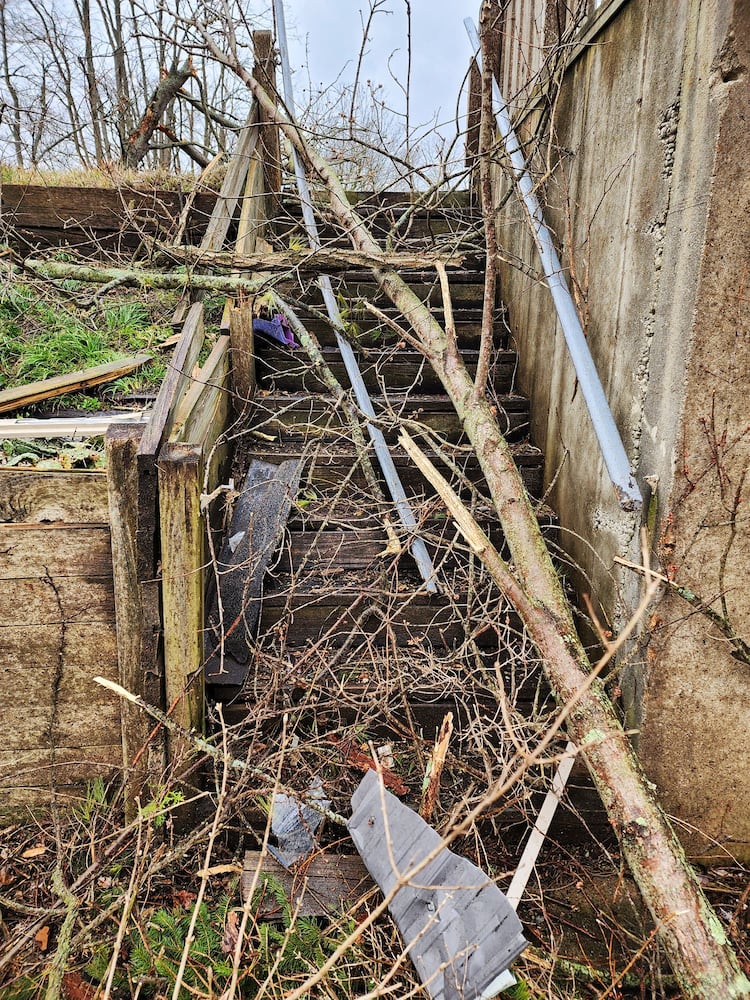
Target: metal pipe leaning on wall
x=395, y=487
x=610, y=442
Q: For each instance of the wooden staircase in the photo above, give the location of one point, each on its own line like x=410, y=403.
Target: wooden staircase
x=349, y=642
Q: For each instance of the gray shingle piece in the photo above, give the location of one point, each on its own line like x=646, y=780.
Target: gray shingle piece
x=459, y=928
x=258, y=521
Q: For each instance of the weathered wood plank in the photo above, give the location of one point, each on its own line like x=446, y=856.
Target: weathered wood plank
x=51, y=600
x=231, y=188
x=39, y=646
x=54, y=550
x=44, y=206
x=34, y=392
x=28, y=428
x=34, y=768
x=290, y=414
x=135, y=639
x=197, y=409
x=337, y=612
x=175, y=382
x=36, y=800
x=28, y=496
x=327, y=466
x=67, y=702
x=182, y=545
x=343, y=550
x=242, y=355
x=264, y=70
x=323, y=885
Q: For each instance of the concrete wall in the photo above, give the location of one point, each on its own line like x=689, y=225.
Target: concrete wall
x=650, y=201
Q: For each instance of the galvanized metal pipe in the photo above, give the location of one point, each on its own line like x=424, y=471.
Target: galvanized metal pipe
x=610, y=442
x=385, y=460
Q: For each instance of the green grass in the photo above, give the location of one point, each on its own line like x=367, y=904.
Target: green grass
x=41, y=337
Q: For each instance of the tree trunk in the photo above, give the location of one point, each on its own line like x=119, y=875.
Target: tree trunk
x=692, y=935
x=138, y=143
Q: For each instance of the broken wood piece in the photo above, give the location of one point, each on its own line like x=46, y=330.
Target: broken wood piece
x=257, y=525
x=458, y=928
x=542, y=823
x=434, y=771
x=206, y=383
x=35, y=392
x=324, y=885
x=363, y=762
x=26, y=428
x=175, y=382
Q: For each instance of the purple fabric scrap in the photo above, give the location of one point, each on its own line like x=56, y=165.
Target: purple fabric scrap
x=278, y=328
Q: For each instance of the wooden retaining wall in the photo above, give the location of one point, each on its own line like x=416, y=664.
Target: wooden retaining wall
x=59, y=728
x=94, y=219
x=104, y=574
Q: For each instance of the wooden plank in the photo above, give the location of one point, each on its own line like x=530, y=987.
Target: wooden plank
x=26, y=428
x=175, y=382
x=323, y=885
x=252, y=221
x=28, y=496
x=182, y=545
x=19, y=804
x=40, y=646
x=66, y=701
x=265, y=71
x=231, y=188
x=54, y=550
x=343, y=550
x=35, y=768
x=49, y=600
x=34, y=392
x=198, y=403
x=136, y=671
x=208, y=421
x=242, y=341
x=69, y=209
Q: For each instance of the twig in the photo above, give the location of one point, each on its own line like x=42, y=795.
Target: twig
x=205, y=747
x=130, y=897
x=741, y=649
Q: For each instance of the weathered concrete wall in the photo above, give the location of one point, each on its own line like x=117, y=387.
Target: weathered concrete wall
x=650, y=199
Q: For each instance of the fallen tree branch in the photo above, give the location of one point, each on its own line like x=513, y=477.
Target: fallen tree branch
x=51, y=270
x=323, y=259
x=233, y=763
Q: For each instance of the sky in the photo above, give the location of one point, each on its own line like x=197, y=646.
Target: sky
x=325, y=38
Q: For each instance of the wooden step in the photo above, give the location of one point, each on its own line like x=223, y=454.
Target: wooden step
x=352, y=607
x=301, y=414
x=328, y=465
x=398, y=369
x=367, y=331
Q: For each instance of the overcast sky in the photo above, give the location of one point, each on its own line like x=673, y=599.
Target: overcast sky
x=325, y=38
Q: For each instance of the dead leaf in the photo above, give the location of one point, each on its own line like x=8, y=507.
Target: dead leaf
x=231, y=933
x=34, y=852
x=42, y=937
x=76, y=988
x=364, y=762
x=5, y=877
x=220, y=870
x=183, y=898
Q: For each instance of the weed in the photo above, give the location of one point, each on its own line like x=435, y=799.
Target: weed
x=41, y=338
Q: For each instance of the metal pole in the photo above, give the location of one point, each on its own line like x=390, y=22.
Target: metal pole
x=610, y=442
x=395, y=486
